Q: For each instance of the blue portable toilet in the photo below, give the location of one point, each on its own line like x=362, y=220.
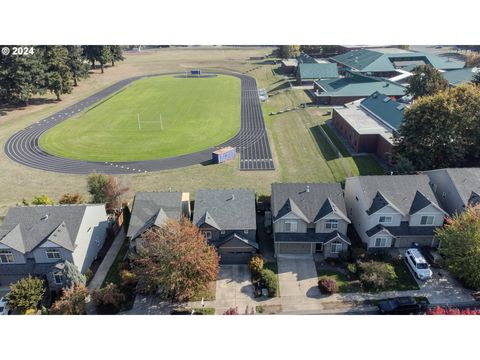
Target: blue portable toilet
x=196, y=72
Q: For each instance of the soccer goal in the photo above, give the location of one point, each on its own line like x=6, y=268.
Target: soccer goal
x=149, y=124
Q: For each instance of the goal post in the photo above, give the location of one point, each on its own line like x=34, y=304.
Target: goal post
x=140, y=122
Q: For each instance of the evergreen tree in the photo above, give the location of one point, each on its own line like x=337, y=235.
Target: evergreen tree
x=426, y=80
x=117, y=53
x=76, y=63
x=104, y=56
x=58, y=77
x=25, y=294
x=91, y=52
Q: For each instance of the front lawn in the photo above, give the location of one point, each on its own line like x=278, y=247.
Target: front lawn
x=341, y=279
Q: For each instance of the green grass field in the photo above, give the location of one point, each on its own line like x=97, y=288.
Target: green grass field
x=196, y=113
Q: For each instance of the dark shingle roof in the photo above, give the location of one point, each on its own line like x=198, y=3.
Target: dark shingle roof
x=309, y=198
x=403, y=230
x=467, y=182
x=153, y=208
x=233, y=236
x=26, y=227
x=314, y=71
x=385, y=109
x=400, y=191
x=311, y=237
x=229, y=209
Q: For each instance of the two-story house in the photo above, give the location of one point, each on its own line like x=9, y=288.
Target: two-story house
x=456, y=188
x=227, y=218
x=36, y=240
x=152, y=209
x=309, y=219
x=393, y=211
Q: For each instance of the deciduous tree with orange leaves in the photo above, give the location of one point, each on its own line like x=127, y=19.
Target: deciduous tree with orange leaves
x=175, y=261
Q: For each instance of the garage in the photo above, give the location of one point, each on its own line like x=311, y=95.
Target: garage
x=235, y=257
x=407, y=241
x=294, y=248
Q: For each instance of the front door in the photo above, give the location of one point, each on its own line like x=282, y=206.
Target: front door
x=318, y=247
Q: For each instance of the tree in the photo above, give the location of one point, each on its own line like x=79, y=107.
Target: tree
x=452, y=311
x=460, y=245
x=426, y=80
x=76, y=63
x=376, y=274
x=403, y=166
x=117, y=53
x=42, y=200
x=96, y=185
x=72, y=302
x=104, y=55
x=442, y=130
x=327, y=285
x=108, y=299
x=69, y=199
x=175, y=260
x=476, y=78
x=114, y=192
x=25, y=294
x=72, y=275
x=289, y=51
x=22, y=77
x=91, y=53
x=58, y=78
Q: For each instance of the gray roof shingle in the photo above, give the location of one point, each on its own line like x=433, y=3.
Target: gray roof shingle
x=467, y=182
x=403, y=230
x=311, y=237
x=228, y=209
x=26, y=227
x=400, y=191
x=313, y=200
x=153, y=208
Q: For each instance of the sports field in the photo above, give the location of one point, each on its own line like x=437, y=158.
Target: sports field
x=152, y=118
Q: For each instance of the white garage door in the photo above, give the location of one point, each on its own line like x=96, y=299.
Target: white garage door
x=289, y=248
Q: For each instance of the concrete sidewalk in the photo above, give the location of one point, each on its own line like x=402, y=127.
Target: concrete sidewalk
x=107, y=262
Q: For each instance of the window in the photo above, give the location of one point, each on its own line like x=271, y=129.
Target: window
x=58, y=277
x=6, y=257
x=427, y=220
x=290, y=226
x=208, y=235
x=336, y=247
x=381, y=242
x=331, y=224
x=385, y=219
x=53, y=254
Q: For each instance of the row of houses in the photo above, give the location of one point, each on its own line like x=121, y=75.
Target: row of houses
x=307, y=218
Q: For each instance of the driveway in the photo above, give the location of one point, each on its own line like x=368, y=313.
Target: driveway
x=298, y=283
x=234, y=288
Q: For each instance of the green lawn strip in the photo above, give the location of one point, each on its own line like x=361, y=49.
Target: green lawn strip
x=195, y=114
x=335, y=140
x=405, y=281
x=341, y=279
x=205, y=311
x=273, y=267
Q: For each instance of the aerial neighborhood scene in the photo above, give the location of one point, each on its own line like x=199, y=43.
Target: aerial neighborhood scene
x=240, y=180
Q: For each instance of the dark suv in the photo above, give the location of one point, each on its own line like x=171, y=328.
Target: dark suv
x=405, y=305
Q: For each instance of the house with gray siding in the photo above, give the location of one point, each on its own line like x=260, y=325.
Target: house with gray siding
x=456, y=188
x=152, y=209
x=227, y=218
x=37, y=240
x=309, y=219
x=393, y=211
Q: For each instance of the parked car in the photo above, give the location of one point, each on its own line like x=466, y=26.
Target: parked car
x=418, y=264
x=405, y=305
x=432, y=256
x=4, y=310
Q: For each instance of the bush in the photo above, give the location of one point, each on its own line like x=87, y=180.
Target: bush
x=355, y=286
x=108, y=299
x=327, y=285
x=231, y=311
x=344, y=256
x=88, y=275
x=358, y=254
x=352, y=268
x=127, y=277
x=256, y=264
x=376, y=275
x=269, y=278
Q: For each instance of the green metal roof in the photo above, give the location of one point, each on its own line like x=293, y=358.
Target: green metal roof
x=356, y=84
x=385, y=109
x=374, y=61
x=459, y=77
x=318, y=71
x=306, y=59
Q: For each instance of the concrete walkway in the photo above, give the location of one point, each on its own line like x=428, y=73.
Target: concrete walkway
x=107, y=262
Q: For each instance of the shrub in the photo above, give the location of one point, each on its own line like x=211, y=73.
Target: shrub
x=358, y=254
x=355, y=286
x=327, y=285
x=269, y=278
x=72, y=302
x=88, y=275
x=256, y=264
x=344, y=256
x=377, y=275
x=25, y=294
x=352, y=268
x=127, y=277
x=108, y=299
x=231, y=311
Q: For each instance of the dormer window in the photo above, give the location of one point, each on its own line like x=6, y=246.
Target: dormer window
x=331, y=224
x=208, y=235
x=385, y=219
x=427, y=220
x=53, y=254
x=6, y=257
x=291, y=225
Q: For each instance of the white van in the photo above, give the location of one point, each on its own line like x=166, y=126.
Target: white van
x=418, y=264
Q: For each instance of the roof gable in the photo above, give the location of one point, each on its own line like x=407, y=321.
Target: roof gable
x=288, y=208
x=329, y=207
x=237, y=239
x=317, y=70
x=385, y=109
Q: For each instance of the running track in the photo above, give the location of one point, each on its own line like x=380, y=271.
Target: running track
x=251, y=141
